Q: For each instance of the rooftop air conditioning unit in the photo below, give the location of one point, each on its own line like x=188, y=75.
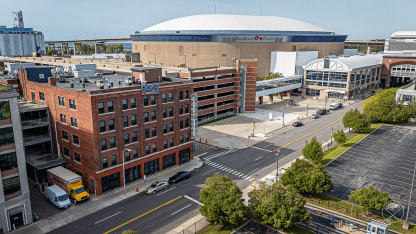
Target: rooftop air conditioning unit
x=100, y=83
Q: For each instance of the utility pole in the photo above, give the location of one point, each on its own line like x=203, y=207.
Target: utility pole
x=332, y=134
x=406, y=224
x=277, y=166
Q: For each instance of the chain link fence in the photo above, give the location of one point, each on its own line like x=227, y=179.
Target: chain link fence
x=195, y=227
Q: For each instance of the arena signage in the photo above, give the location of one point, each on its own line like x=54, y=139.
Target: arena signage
x=150, y=88
x=255, y=39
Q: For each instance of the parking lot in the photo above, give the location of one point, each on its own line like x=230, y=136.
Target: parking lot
x=386, y=159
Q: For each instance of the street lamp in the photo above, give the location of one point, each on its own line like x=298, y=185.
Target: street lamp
x=277, y=161
x=332, y=134
x=124, y=174
x=307, y=110
x=326, y=99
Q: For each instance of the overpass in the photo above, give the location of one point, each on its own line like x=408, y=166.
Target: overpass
x=278, y=85
x=96, y=41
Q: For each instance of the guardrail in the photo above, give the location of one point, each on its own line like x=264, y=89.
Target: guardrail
x=34, y=122
x=36, y=160
x=37, y=138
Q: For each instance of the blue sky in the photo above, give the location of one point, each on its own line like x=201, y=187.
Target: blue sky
x=359, y=19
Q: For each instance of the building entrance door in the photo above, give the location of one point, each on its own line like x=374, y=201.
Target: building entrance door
x=16, y=220
x=184, y=156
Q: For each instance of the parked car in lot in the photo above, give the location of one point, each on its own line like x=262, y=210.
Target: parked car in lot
x=157, y=186
x=321, y=112
x=57, y=196
x=314, y=116
x=182, y=175
x=297, y=124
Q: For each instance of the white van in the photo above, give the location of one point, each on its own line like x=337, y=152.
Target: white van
x=333, y=106
x=57, y=196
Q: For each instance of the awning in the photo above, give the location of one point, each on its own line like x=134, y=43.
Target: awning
x=334, y=91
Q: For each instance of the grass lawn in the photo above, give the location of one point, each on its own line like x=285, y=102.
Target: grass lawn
x=215, y=120
x=218, y=229
x=334, y=152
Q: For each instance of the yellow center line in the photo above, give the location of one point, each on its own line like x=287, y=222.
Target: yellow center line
x=141, y=215
x=258, y=158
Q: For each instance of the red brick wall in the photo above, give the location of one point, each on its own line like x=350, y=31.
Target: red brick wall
x=9, y=172
x=388, y=63
x=149, y=75
x=251, y=81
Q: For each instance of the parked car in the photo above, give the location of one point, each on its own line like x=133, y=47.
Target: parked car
x=321, y=112
x=182, y=175
x=314, y=116
x=339, y=105
x=157, y=186
x=57, y=196
x=297, y=124
x=333, y=106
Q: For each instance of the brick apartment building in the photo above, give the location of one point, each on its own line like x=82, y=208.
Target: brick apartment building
x=145, y=118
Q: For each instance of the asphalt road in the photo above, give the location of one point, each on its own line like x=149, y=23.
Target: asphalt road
x=166, y=210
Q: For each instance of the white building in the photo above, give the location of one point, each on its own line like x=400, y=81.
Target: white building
x=290, y=63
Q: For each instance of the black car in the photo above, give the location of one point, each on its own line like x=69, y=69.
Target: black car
x=321, y=112
x=297, y=124
x=182, y=175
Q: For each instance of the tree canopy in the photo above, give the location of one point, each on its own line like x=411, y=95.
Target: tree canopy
x=356, y=120
x=307, y=177
x=340, y=137
x=222, y=201
x=370, y=198
x=313, y=151
x=277, y=205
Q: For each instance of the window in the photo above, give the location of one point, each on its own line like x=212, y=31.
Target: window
x=132, y=174
x=186, y=109
x=102, y=126
x=125, y=105
x=33, y=97
x=100, y=107
x=171, y=112
x=126, y=121
x=153, y=115
x=5, y=110
x=105, y=163
x=133, y=103
x=165, y=128
x=61, y=101
x=187, y=94
x=181, y=124
x=113, y=160
x=135, y=153
x=63, y=118
x=103, y=144
x=171, y=143
x=165, y=113
x=72, y=104
x=110, y=124
x=11, y=185
x=154, y=147
x=171, y=127
x=66, y=151
x=154, y=132
x=110, y=182
x=187, y=137
x=134, y=136
x=180, y=110
x=146, y=100
x=74, y=122
x=151, y=167
x=164, y=98
x=169, y=160
x=75, y=139
x=146, y=133
x=6, y=136
x=64, y=135
x=152, y=100
x=110, y=106
x=112, y=142
x=180, y=139
x=165, y=144
x=8, y=161
x=127, y=156
x=77, y=157
x=186, y=123
x=147, y=149
x=126, y=139
x=133, y=120
x=146, y=117
x=180, y=95
x=41, y=96
x=170, y=97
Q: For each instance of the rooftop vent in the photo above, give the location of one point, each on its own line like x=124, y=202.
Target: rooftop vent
x=99, y=83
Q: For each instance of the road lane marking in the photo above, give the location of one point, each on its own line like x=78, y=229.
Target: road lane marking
x=182, y=209
x=165, y=191
x=258, y=158
x=261, y=149
x=108, y=217
x=244, y=176
x=209, y=172
x=190, y=198
x=138, y=217
x=201, y=154
x=252, y=171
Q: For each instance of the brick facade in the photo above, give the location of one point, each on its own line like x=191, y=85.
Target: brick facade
x=388, y=64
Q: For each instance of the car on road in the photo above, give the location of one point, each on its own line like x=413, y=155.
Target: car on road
x=182, y=175
x=157, y=186
x=314, y=116
x=321, y=112
x=333, y=106
x=297, y=124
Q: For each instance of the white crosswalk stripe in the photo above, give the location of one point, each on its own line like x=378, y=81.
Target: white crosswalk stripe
x=248, y=178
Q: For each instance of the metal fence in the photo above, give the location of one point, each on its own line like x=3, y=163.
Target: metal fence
x=334, y=144
x=313, y=228
x=195, y=227
x=213, y=117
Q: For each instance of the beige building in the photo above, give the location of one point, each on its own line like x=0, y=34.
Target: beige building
x=212, y=40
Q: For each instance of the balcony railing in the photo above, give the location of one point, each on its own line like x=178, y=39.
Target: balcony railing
x=39, y=159
x=31, y=139
x=34, y=122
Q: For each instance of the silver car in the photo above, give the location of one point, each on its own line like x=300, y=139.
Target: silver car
x=314, y=116
x=157, y=186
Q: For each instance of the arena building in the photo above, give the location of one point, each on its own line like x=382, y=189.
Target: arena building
x=216, y=39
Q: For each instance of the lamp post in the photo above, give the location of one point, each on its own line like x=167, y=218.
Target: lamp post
x=277, y=166
x=406, y=224
x=124, y=174
x=332, y=134
x=307, y=110
x=326, y=99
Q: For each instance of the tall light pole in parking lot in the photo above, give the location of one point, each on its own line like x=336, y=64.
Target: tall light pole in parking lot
x=277, y=161
x=406, y=224
x=124, y=174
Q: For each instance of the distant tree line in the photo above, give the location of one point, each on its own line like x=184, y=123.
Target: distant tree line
x=89, y=49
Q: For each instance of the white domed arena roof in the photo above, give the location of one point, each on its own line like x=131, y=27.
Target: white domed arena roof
x=219, y=22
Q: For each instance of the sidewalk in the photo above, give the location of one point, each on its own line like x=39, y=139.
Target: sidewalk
x=75, y=212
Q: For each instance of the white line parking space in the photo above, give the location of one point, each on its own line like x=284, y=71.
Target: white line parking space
x=165, y=191
x=108, y=217
x=182, y=209
x=190, y=198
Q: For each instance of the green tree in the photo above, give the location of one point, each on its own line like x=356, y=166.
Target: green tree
x=109, y=49
x=307, y=177
x=277, y=205
x=370, y=198
x=129, y=232
x=356, y=120
x=222, y=201
x=65, y=49
x=2, y=68
x=313, y=151
x=340, y=137
x=349, y=118
x=50, y=52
